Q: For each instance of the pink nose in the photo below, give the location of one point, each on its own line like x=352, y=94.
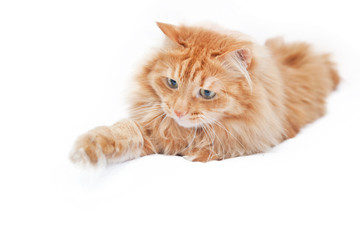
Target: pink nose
x=179, y=113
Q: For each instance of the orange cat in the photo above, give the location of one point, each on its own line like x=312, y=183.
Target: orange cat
x=214, y=94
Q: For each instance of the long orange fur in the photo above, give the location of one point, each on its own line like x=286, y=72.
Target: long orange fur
x=264, y=95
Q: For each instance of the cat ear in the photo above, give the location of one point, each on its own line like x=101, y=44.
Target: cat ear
x=239, y=57
x=241, y=60
x=170, y=31
x=245, y=55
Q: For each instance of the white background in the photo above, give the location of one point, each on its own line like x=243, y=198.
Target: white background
x=67, y=66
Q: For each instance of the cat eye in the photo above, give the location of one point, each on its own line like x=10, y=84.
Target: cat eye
x=207, y=94
x=172, y=83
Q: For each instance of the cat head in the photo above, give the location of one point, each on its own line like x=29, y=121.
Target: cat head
x=201, y=76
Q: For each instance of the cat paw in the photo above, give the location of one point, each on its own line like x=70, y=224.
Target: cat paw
x=201, y=156
x=93, y=148
x=197, y=158
x=85, y=158
x=189, y=158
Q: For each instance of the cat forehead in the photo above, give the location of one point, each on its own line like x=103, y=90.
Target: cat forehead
x=192, y=69
x=198, y=79
x=195, y=72
x=210, y=82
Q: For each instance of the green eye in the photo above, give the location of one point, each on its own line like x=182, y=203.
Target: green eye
x=172, y=83
x=207, y=94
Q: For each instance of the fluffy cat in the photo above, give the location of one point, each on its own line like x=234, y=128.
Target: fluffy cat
x=213, y=94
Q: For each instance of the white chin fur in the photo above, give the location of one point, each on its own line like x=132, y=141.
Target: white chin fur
x=185, y=123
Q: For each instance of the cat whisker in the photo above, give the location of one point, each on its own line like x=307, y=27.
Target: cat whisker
x=207, y=131
x=146, y=111
x=212, y=143
x=144, y=114
x=163, y=119
x=144, y=108
x=223, y=127
x=204, y=127
x=220, y=142
x=160, y=115
x=192, y=140
x=147, y=104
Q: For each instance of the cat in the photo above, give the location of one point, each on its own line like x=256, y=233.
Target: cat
x=211, y=94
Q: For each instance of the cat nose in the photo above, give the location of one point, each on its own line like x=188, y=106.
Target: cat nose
x=180, y=113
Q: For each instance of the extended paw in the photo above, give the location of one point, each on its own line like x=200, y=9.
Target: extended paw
x=94, y=147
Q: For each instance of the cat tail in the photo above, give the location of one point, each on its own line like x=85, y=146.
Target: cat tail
x=299, y=54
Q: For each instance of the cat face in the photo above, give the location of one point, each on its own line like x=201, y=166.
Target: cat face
x=191, y=100
x=196, y=91
x=197, y=85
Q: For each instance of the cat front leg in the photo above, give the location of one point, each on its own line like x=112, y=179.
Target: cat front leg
x=120, y=142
